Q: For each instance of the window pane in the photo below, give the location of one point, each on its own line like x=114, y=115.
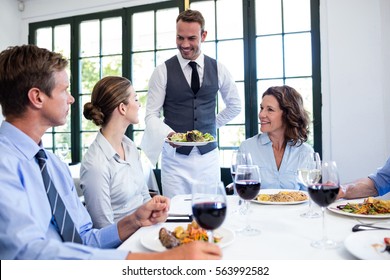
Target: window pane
x=207, y=8
x=227, y=10
x=112, y=66
x=47, y=140
x=62, y=39
x=263, y=85
x=231, y=136
x=44, y=38
x=112, y=36
x=240, y=119
x=143, y=31
x=143, y=66
x=138, y=137
x=297, y=49
x=296, y=15
x=142, y=96
x=161, y=56
x=86, y=140
x=268, y=17
x=89, y=38
x=208, y=48
x=234, y=63
x=90, y=73
x=269, y=57
x=166, y=28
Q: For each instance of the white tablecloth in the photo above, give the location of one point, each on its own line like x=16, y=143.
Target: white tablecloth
x=284, y=234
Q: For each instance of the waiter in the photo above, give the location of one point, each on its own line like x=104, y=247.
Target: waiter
x=185, y=88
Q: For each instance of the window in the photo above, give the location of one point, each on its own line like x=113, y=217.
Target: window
x=269, y=42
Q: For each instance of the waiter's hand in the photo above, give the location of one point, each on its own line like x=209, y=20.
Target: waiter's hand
x=168, y=136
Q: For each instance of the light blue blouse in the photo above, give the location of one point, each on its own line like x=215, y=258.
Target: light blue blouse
x=382, y=178
x=260, y=147
x=26, y=231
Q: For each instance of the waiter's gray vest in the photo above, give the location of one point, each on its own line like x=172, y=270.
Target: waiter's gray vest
x=184, y=110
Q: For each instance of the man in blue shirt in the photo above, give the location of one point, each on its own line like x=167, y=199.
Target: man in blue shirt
x=375, y=184
x=34, y=97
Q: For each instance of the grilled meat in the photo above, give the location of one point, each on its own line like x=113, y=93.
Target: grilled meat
x=168, y=240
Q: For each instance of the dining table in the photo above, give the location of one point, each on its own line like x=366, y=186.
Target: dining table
x=284, y=234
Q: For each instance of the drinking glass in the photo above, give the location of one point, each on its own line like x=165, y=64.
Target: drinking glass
x=239, y=158
x=209, y=206
x=309, y=173
x=62, y=150
x=247, y=183
x=323, y=194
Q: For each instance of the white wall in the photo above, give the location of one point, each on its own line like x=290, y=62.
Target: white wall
x=10, y=26
x=10, y=23
x=355, y=39
x=354, y=44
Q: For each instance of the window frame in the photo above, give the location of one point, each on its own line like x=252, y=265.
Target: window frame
x=250, y=78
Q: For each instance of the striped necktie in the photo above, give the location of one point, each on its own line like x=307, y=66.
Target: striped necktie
x=195, y=84
x=61, y=216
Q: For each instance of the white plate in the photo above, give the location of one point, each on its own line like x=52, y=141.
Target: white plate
x=150, y=241
x=333, y=208
x=368, y=245
x=188, y=143
x=274, y=191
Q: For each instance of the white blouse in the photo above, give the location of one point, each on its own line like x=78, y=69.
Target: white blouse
x=112, y=187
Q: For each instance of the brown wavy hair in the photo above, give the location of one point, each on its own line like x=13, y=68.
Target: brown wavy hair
x=295, y=117
x=25, y=67
x=107, y=94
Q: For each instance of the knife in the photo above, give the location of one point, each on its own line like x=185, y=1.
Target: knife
x=360, y=227
x=179, y=218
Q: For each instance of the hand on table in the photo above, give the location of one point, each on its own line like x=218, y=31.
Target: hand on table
x=196, y=250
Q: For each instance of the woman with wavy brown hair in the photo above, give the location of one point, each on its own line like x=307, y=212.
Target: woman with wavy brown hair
x=284, y=130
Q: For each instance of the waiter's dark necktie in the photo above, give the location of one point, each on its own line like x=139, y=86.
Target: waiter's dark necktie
x=195, y=84
x=64, y=222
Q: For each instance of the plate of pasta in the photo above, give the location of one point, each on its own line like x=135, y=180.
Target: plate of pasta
x=362, y=208
x=281, y=196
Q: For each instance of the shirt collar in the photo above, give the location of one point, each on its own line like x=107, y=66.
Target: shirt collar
x=264, y=138
x=184, y=62
x=21, y=141
x=106, y=147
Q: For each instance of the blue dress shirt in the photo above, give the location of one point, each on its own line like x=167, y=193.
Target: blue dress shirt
x=26, y=231
x=260, y=147
x=382, y=178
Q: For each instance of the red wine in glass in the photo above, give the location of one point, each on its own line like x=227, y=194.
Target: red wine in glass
x=323, y=195
x=248, y=189
x=209, y=215
x=209, y=205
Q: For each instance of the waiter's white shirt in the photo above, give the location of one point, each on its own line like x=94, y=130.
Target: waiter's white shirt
x=156, y=130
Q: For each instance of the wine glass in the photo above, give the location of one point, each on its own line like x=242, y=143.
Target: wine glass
x=247, y=183
x=239, y=158
x=209, y=205
x=309, y=173
x=324, y=193
x=62, y=150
